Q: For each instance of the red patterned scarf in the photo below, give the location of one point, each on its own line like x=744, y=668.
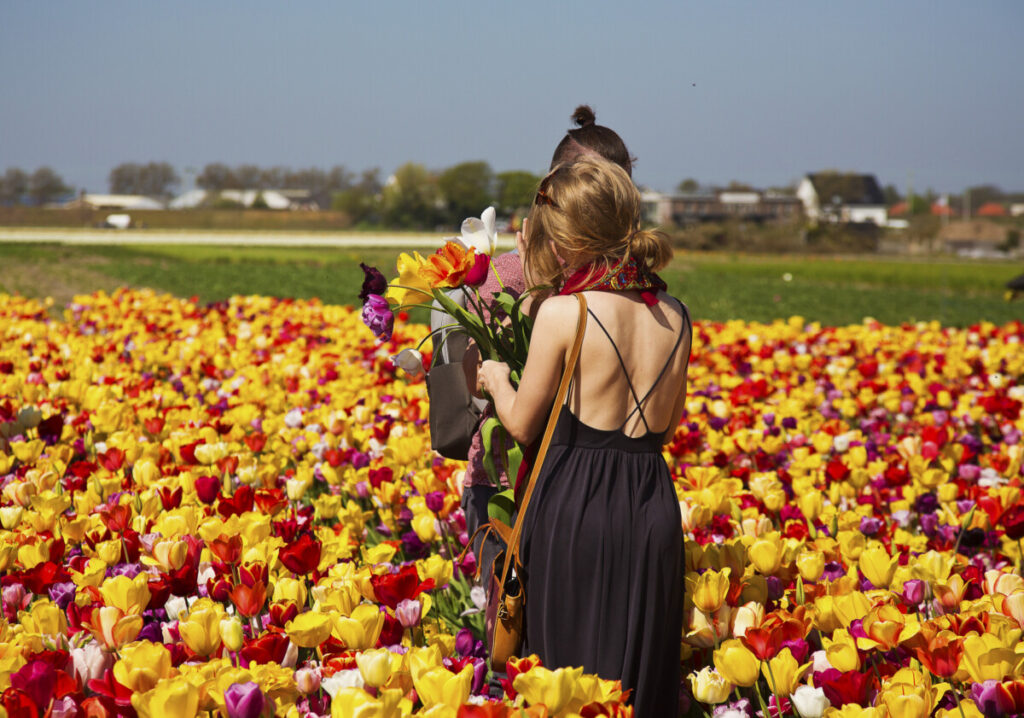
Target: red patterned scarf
x=624, y=276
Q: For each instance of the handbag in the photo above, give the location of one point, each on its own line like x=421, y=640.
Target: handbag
x=453, y=413
x=507, y=632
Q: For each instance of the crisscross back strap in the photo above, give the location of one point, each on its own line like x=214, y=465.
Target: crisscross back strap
x=639, y=401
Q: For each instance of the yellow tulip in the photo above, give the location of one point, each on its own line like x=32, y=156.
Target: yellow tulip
x=736, y=663
x=374, y=666
x=841, y=650
x=886, y=627
x=231, y=633
x=878, y=566
x=201, y=630
x=171, y=699
x=360, y=630
x=409, y=287
x=113, y=628
x=811, y=565
x=851, y=606
x=424, y=526
x=131, y=595
x=357, y=703
x=552, y=688
x=309, y=629
x=783, y=673
x=986, y=658
x=438, y=685
x=44, y=618
x=851, y=543
x=142, y=665
x=436, y=567
x=766, y=553
x=709, y=686
x=709, y=590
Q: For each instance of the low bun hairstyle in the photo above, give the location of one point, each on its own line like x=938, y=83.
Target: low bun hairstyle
x=587, y=212
x=590, y=138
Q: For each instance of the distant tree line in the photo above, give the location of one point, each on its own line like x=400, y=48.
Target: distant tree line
x=412, y=197
x=44, y=185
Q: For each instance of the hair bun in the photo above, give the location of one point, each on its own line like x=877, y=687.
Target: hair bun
x=583, y=116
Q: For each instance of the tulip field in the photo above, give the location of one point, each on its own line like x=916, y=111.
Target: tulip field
x=231, y=508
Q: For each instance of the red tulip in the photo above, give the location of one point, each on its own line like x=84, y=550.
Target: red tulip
x=208, y=488
x=302, y=556
x=392, y=588
x=249, y=600
x=227, y=549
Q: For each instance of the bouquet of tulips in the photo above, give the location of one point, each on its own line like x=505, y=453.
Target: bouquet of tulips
x=451, y=277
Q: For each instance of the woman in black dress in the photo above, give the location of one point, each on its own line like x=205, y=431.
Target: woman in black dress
x=602, y=544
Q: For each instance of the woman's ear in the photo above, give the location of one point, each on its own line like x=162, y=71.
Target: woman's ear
x=554, y=250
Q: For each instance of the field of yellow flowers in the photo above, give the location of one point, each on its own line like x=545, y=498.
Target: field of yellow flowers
x=233, y=510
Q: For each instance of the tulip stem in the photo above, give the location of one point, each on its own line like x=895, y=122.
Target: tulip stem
x=956, y=695
x=775, y=689
x=1020, y=558
x=760, y=698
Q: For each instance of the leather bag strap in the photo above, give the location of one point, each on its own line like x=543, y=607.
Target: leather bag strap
x=512, y=553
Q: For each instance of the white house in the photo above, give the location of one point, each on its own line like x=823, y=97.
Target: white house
x=842, y=197
x=272, y=198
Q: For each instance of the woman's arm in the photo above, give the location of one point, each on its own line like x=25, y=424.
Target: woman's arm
x=523, y=412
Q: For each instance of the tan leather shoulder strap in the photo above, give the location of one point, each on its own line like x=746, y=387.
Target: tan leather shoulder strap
x=512, y=553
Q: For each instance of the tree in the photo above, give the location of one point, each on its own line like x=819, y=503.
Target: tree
x=155, y=179
x=467, y=188
x=737, y=186
x=249, y=177
x=13, y=186
x=515, y=190
x=45, y=185
x=361, y=200
x=892, y=194
x=688, y=186
x=217, y=176
x=410, y=198
x=983, y=194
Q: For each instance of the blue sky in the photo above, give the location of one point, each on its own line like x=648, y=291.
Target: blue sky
x=756, y=91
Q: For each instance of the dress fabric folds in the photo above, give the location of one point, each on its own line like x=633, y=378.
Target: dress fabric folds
x=602, y=551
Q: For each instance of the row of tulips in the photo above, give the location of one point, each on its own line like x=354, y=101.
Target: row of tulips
x=234, y=509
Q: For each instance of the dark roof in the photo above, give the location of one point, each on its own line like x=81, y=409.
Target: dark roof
x=849, y=187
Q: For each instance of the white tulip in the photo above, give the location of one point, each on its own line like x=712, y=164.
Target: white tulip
x=480, y=234
x=810, y=702
x=409, y=360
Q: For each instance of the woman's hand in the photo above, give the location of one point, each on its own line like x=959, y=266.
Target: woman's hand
x=492, y=376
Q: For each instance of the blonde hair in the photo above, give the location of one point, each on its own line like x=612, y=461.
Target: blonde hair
x=588, y=211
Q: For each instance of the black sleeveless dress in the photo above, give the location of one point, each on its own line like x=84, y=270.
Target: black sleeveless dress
x=602, y=551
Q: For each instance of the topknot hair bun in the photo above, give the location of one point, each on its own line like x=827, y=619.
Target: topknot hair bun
x=583, y=116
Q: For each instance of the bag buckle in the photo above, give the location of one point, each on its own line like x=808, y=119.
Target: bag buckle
x=502, y=611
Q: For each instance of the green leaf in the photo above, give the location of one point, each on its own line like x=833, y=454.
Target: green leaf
x=514, y=458
x=487, y=430
x=502, y=506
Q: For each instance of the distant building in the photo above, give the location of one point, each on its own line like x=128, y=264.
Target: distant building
x=113, y=202
x=991, y=209
x=718, y=206
x=842, y=197
x=1017, y=209
x=281, y=199
x=976, y=236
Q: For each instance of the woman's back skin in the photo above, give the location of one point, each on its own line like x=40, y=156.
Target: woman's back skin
x=647, y=339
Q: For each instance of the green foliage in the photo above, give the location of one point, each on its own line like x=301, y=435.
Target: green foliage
x=688, y=186
x=515, y=190
x=468, y=189
x=834, y=290
x=411, y=198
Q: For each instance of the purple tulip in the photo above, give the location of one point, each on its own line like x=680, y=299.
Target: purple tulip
x=373, y=282
x=378, y=317
x=244, y=700
x=992, y=699
x=914, y=591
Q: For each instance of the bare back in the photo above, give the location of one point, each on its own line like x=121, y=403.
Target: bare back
x=648, y=347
